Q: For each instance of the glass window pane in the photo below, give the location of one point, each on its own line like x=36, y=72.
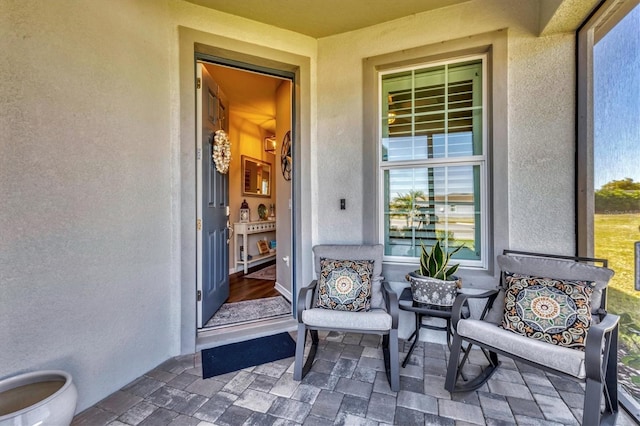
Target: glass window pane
x=425, y=203
x=616, y=179
x=432, y=113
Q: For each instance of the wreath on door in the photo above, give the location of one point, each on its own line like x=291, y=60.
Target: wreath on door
x=221, y=151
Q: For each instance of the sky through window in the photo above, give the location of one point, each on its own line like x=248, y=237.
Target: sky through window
x=617, y=102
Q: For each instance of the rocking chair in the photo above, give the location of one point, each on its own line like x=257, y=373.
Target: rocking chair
x=380, y=319
x=585, y=352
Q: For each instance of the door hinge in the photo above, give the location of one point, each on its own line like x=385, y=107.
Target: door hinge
x=199, y=154
x=198, y=83
x=198, y=296
x=199, y=224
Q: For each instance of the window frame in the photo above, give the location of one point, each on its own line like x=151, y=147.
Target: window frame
x=495, y=45
x=481, y=160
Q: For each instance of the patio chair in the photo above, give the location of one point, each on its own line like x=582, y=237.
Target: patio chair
x=320, y=308
x=586, y=351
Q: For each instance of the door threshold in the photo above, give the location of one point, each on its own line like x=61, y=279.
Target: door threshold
x=219, y=336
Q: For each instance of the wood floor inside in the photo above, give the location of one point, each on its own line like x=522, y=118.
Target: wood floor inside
x=241, y=288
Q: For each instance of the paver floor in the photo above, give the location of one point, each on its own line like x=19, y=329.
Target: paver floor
x=347, y=385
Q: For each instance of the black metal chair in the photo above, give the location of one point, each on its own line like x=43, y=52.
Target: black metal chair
x=382, y=319
x=596, y=366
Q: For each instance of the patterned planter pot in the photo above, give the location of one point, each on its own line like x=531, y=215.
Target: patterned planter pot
x=432, y=290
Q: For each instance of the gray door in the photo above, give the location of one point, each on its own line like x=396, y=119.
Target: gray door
x=215, y=201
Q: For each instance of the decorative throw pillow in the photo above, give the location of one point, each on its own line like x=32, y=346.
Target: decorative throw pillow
x=345, y=285
x=550, y=310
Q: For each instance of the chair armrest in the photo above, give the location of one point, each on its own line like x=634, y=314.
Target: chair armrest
x=304, y=298
x=461, y=300
x=594, y=344
x=391, y=303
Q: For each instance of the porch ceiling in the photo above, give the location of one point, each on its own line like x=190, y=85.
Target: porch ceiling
x=251, y=95
x=327, y=17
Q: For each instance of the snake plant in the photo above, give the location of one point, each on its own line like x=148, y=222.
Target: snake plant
x=434, y=263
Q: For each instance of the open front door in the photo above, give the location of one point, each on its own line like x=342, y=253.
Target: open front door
x=213, y=201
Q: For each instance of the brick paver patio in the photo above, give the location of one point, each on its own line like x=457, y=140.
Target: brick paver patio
x=346, y=386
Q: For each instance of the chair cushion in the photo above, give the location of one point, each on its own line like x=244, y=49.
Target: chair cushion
x=552, y=356
x=373, y=252
x=345, y=285
x=553, y=311
x=561, y=270
x=374, y=320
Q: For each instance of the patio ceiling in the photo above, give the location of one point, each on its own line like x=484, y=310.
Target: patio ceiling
x=251, y=96
x=327, y=17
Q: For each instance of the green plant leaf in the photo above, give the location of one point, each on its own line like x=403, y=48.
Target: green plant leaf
x=434, y=262
x=438, y=255
x=452, y=270
x=457, y=249
x=424, y=261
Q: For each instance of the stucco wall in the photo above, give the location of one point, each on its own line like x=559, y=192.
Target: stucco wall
x=85, y=184
x=98, y=195
x=542, y=143
x=541, y=116
x=90, y=182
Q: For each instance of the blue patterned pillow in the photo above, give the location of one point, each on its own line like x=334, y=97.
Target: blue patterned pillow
x=546, y=309
x=345, y=285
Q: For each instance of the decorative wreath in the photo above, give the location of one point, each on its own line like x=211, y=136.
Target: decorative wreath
x=221, y=151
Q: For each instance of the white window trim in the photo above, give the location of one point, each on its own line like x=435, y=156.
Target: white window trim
x=481, y=160
x=495, y=45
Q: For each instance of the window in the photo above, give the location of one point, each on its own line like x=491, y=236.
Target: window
x=607, y=169
x=433, y=159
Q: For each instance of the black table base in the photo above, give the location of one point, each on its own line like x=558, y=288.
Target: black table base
x=421, y=310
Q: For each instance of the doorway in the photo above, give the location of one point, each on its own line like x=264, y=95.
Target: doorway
x=256, y=106
x=191, y=44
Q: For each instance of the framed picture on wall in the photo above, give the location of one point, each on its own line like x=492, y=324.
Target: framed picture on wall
x=263, y=247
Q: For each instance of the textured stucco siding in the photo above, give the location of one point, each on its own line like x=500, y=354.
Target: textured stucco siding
x=85, y=188
x=541, y=103
x=90, y=182
x=542, y=144
x=98, y=188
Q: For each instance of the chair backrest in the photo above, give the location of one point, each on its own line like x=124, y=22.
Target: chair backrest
x=562, y=268
x=373, y=252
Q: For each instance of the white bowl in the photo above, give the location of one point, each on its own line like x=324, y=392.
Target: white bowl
x=38, y=398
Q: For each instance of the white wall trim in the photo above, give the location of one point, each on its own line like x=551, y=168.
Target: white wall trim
x=283, y=291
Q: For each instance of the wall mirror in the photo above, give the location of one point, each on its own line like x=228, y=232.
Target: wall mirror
x=256, y=175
